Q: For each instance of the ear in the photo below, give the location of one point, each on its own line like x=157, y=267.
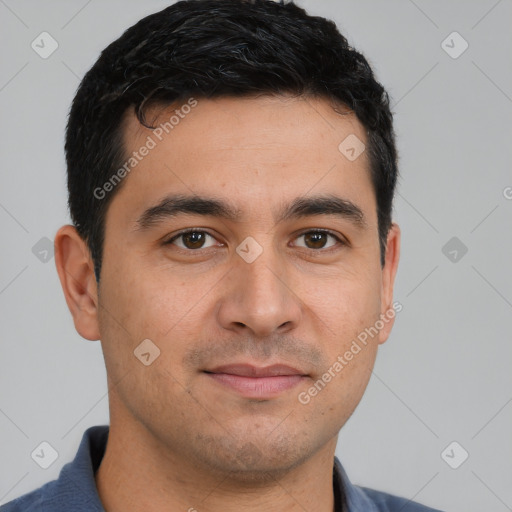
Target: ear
x=76, y=274
x=388, y=280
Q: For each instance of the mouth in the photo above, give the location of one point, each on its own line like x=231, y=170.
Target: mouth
x=257, y=382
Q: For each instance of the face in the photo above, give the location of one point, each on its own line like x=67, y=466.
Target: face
x=253, y=311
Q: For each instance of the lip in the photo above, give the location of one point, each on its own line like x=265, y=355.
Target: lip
x=257, y=382
x=249, y=370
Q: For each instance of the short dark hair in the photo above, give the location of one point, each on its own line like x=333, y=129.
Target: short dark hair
x=209, y=49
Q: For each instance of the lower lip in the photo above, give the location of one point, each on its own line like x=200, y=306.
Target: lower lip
x=257, y=387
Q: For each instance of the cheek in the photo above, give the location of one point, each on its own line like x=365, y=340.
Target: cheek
x=149, y=302
x=346, y=306
x=348, y=310
x=139, y=308
x=334, y=395
x=170, y=311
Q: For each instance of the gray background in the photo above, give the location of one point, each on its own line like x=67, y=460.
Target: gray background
x=443, y=376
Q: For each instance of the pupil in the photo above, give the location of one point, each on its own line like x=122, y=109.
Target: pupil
x=194, y=240
x=316, y=240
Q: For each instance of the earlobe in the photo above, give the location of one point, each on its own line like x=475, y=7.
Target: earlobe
x=389, y=270
x=76, y=273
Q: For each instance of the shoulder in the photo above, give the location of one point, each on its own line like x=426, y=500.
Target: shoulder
x=358, y=498
x=30, y=502
x=385, y=502
x=75, y=488
x=55, y=496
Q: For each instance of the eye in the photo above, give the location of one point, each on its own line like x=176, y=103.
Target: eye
x=319, y=239
x=195, y=239
x=192, y=239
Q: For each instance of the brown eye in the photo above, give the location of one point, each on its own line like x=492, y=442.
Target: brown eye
x=318, y=240
x=192, y=240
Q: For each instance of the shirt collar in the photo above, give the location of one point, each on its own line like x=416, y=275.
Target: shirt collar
x=348, y=497
x=76, y=487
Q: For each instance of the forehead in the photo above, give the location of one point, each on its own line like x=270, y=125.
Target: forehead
x=256, y=150
x=246, y=121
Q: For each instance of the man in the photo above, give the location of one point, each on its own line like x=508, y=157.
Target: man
x=231, y=171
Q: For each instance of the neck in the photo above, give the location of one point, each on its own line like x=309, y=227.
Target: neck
x=137, y=473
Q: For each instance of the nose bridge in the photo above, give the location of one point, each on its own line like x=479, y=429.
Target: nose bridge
x=258, y=297
x=262, y=281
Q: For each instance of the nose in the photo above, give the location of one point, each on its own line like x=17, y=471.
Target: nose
x=258, y=298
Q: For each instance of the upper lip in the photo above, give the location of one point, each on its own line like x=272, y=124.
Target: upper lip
x=249, y=370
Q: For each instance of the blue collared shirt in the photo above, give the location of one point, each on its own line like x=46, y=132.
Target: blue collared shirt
x=75, y=489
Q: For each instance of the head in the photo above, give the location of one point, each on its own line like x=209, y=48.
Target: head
x=260, y=131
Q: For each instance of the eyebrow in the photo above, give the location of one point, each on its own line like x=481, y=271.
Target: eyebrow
x=174, y=205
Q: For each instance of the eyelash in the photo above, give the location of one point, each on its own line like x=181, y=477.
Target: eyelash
x=326, y=231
